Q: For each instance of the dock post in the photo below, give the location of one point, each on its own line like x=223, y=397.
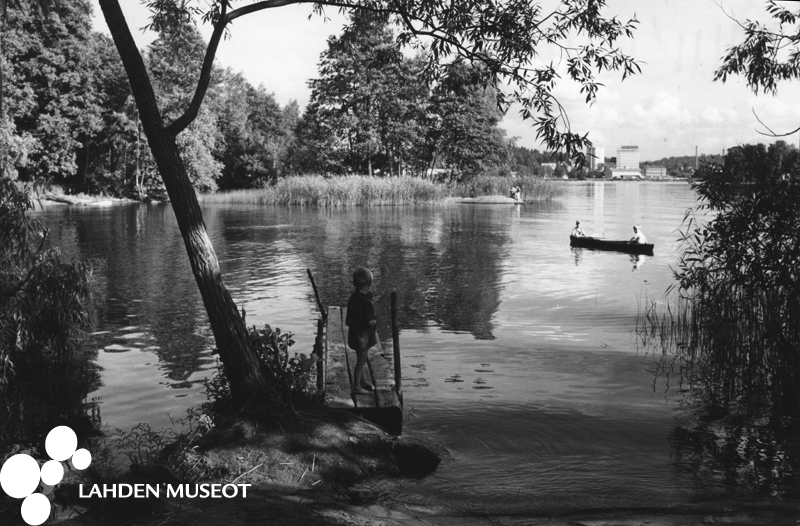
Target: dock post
x=322, y=310
x=321, y=358
x=398, y=386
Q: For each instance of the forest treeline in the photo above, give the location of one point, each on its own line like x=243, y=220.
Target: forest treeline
x=68, y=115
x=779, y=158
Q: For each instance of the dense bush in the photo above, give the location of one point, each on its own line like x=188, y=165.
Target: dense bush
x=44, y=304
x=294, y=377
x=736, y=327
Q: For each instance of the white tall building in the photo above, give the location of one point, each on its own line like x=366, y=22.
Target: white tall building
x=628, y=157
x=627, y=163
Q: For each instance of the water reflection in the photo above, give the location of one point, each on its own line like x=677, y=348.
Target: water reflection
x=140, y=243
x=446, y=264
x=577, y=255
x=759, y=456
x=152, y=328
x=637, y=260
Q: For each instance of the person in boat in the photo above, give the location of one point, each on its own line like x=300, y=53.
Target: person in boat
x=638, y=235
x=518, y=193
x=361, y=334
x=578, y=230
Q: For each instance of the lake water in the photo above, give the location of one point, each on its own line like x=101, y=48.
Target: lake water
x=518, y=351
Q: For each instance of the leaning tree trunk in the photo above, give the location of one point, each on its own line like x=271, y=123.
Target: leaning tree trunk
x=230, y=333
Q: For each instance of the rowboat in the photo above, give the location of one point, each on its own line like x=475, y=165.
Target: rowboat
x=611, y=244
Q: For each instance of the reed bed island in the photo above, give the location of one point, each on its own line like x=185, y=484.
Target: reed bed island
x=359, y=190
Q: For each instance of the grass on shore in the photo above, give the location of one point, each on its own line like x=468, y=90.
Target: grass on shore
x=316, y=190
x=533, y=188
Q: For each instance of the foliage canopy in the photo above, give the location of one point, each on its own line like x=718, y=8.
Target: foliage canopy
x=769, y=53
x=371, y=110
x=519, y=44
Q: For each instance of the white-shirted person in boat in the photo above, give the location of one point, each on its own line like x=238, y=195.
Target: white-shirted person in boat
x=578, y=230
x=638, y=235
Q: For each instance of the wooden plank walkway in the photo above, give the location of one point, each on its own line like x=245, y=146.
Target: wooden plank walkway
x=382, y=406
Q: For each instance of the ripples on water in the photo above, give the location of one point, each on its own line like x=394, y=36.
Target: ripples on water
x=518, y=350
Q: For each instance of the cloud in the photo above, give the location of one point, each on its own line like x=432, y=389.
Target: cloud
x=714, y=116
x=663, y=108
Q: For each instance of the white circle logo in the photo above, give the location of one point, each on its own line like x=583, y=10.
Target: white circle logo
x=35, y=509
x=61, y=443
x=21, y=475
x=52, y=472
x=81, y=459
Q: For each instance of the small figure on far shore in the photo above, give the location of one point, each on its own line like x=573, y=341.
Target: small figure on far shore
x=361, y=334
x=578, y=230
x=638, y=235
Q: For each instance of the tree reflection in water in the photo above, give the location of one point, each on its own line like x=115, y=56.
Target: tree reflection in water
x=446, y=266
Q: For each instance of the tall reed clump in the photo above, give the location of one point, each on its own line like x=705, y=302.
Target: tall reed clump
x=357, y=190
x=316, y=190
x=533, y=188
x=735, y=325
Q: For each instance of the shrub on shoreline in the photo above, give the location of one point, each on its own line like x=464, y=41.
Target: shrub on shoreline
x=356, y=190
x=734, y=330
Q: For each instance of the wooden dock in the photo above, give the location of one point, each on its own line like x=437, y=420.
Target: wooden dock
x=383, y=406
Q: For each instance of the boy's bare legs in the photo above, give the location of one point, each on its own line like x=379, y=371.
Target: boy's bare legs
x=361, y=384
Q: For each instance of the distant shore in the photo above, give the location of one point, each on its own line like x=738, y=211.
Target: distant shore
x=315, y=190
x=49, y=198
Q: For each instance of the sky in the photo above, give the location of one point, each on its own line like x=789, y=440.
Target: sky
x=669, y=109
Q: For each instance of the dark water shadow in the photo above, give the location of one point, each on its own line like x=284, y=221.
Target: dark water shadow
x=757, y=456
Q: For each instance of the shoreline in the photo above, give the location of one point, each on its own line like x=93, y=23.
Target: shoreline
x=50, y=199
x=256, y=196
x=331, y=468
x=275, y=504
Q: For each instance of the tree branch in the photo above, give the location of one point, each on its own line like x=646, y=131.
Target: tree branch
x=182, y=122
x=772, y=133
x=260, y=6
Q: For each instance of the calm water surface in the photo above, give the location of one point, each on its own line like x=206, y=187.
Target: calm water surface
x=518, y=350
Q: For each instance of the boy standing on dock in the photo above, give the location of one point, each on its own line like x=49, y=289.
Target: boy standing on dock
x=361, y=334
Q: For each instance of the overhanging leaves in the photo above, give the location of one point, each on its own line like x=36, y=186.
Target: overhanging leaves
x=508, y=38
